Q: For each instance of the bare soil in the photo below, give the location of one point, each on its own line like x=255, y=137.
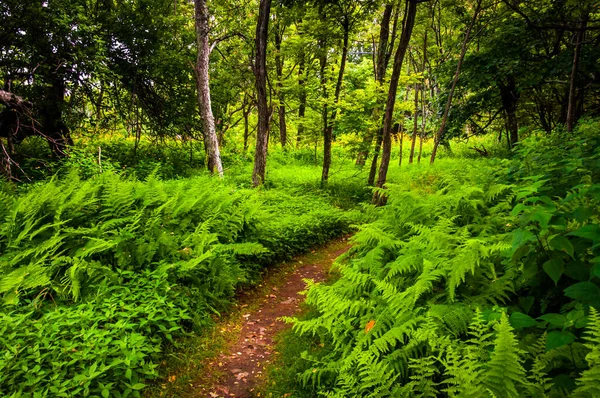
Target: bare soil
x=238, y=370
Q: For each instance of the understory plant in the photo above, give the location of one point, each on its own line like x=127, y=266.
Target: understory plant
x=99, y=275
x=476, y=279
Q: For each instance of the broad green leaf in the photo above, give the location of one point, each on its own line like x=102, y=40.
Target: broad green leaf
x=557, y=320
x=557, y=339
x=542, y=216
x=581, y=322
x=518, y=320
x=526, y=303
x=586, y=292
x=138, y=386
x=554, y=268
x=577, y=270
x=518, y=209
x=559, y=242
x=521, y=236
x=582, y=213
x=589, y=231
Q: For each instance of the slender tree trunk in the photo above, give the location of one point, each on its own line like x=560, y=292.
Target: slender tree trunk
x=376, y=152
x=571, y=110
x=463, y=51
x=260, y=73
x=246, y=130
x=211, y=143
x=415, y=126
x=325, y=112
x=302, y=98
x=328, y=136
x=423, y=122
x=400, y=131
x=380, y=67
x=510, y=98
x=409, y=23
x=279, y=68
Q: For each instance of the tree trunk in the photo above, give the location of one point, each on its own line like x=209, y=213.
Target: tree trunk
x=409, y=22
x=325, y=114
x=54, y=129
x=463, y=51
x=246, y=130
x=279, y=70
x=423, y=124
x=400, y=131
x=211, y=144
x=260, y=72
x=571, y=110
x=510, y=98
x=380, y=68
x=16, y=124
x=302, y=99
x=415, y=126
x=328, y=136
x=374, y=164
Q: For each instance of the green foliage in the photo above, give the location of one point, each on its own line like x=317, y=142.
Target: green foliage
x=107, y=346
x=97, y=275
x=477, y=279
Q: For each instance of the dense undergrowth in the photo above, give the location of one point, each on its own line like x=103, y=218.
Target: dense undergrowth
x=478, y=279
x=98, y=275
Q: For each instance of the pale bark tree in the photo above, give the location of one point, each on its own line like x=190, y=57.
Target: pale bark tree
x=211, y=143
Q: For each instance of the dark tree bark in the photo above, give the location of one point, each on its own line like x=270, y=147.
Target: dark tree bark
x=302, y=98
x=260, y=73
x=463, y=51
x=400, y=132
x=374, y=164
x=53, y=128
x=510, y=98
x=280, y=95
x=380, y=68
x=325, y=111
x=11, y=100
x=571, y=109
x=423, y=123
x=328, y=134
x=16, y=121
x=415, y=126
x=19, y=119
x=246, y=109
x=211, y=143
x=409, y=23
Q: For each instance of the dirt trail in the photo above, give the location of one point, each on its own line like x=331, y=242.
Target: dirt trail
x=241, y=366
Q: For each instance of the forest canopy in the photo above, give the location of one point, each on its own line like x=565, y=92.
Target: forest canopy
x=92, y=66
x=160, y=158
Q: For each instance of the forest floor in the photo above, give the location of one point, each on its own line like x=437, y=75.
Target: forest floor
x=245, y=346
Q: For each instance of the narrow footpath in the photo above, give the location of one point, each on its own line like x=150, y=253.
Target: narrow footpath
x=238, y=369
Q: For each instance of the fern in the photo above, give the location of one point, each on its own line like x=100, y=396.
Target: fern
x=504, y=375
x=589, y=381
